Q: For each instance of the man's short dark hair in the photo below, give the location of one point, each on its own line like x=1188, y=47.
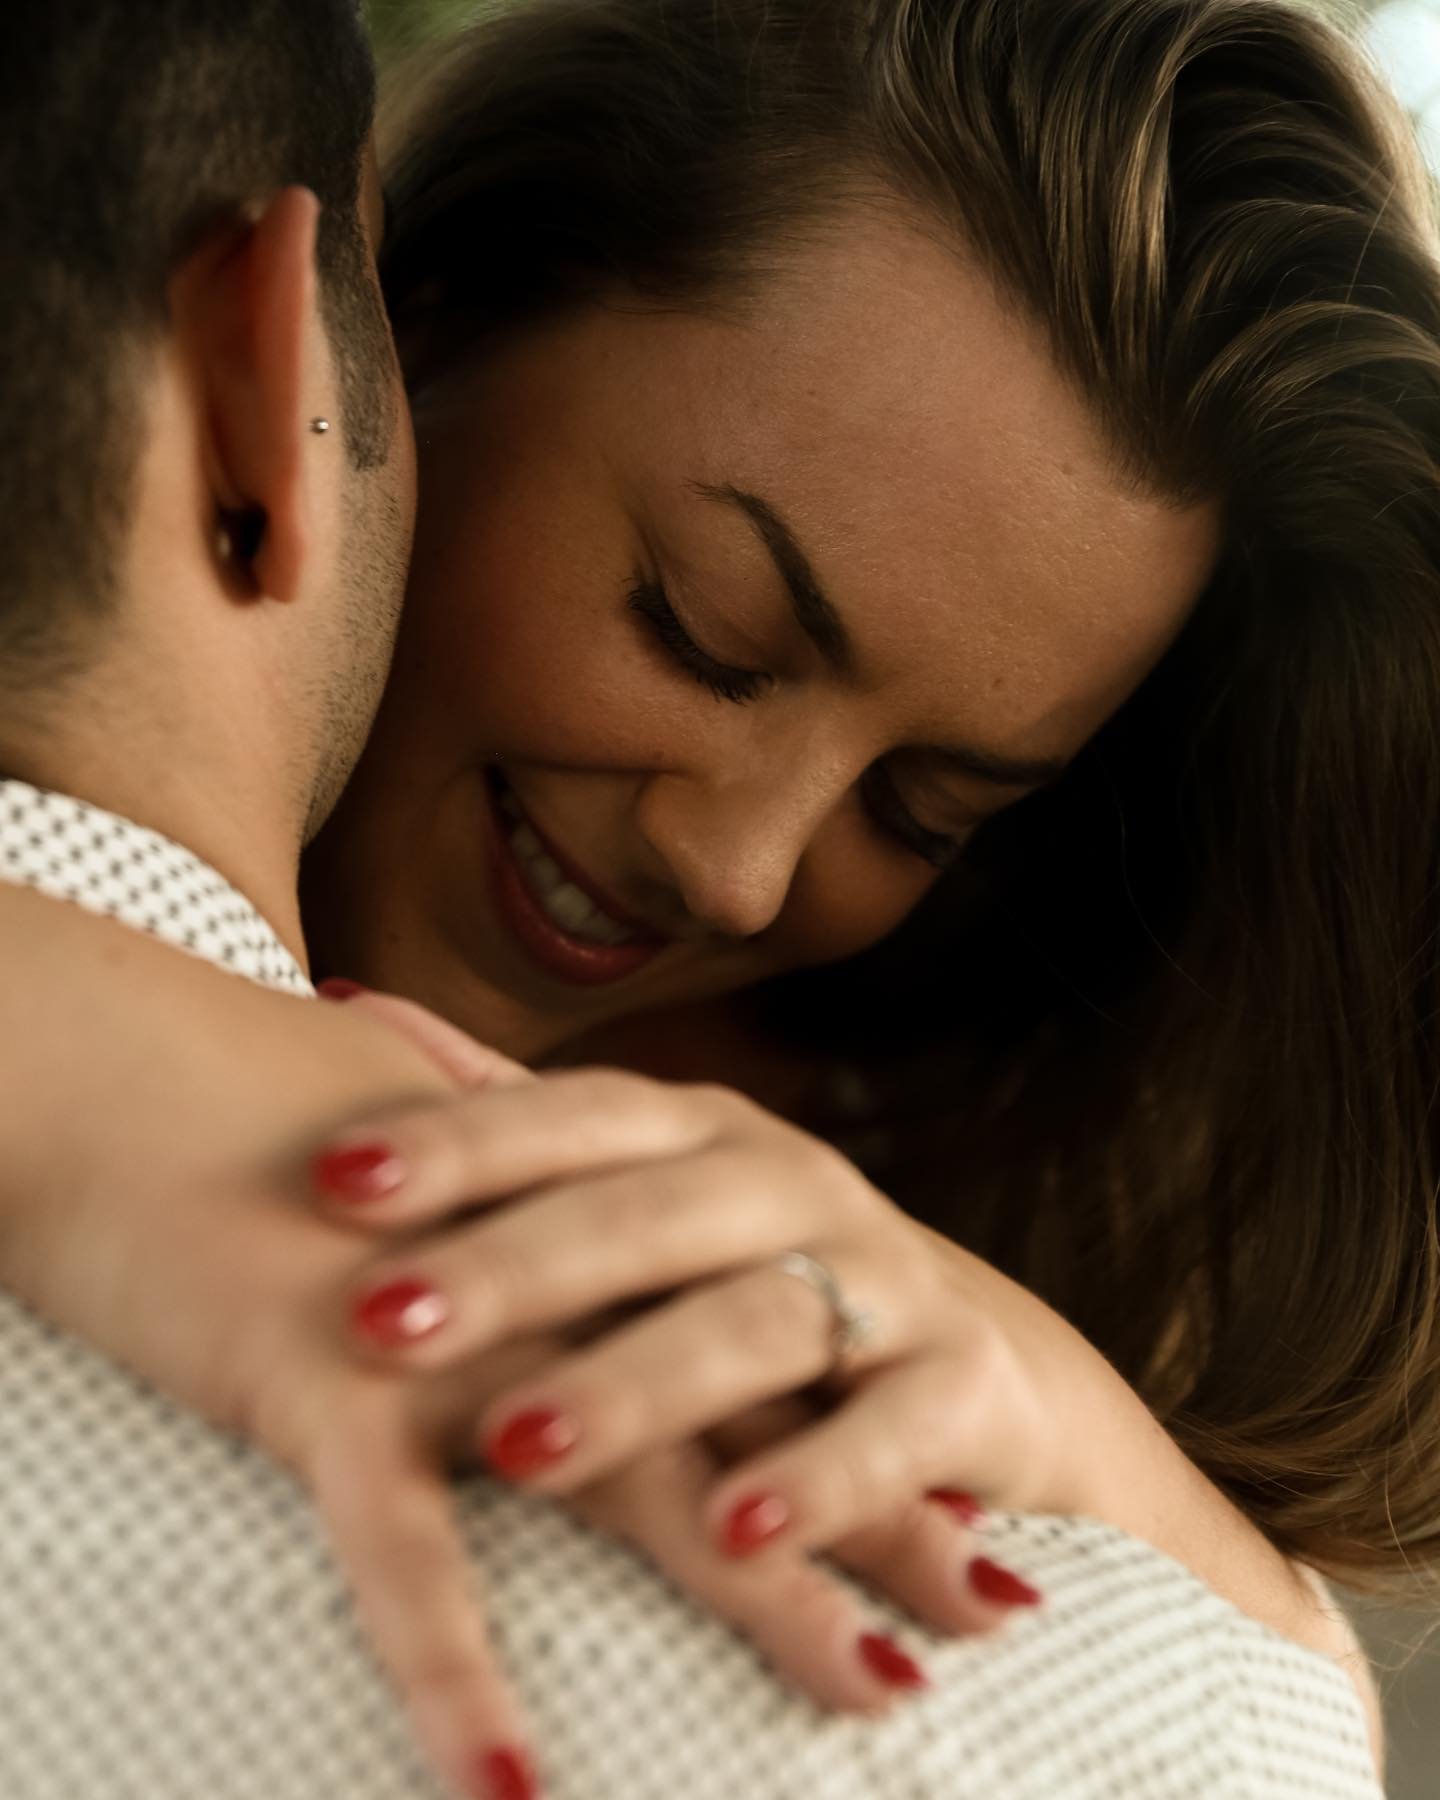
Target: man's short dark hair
x=127, y=127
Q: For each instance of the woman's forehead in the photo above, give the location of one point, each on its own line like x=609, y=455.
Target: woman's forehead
x=951, y=489
x=956, y=491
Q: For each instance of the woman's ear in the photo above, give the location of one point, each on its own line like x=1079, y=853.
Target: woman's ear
x=247, y=303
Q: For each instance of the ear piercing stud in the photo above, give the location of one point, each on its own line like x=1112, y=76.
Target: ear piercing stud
x=319, y=426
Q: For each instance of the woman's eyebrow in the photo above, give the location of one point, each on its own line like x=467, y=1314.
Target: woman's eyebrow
x=818, y=618
x=815, y=614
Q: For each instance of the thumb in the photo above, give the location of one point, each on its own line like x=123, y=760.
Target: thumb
x=468, y=1064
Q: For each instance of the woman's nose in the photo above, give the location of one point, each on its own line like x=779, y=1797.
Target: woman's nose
x=730, y=852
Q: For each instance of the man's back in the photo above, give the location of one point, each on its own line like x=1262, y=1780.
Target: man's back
x=173, y=1627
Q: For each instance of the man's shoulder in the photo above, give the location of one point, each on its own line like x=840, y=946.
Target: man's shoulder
x=180, y=1583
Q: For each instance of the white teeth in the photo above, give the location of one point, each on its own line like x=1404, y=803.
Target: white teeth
x=523, y=838
x=567, y=905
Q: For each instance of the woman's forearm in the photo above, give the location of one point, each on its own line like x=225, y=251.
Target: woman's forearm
x=1120, y=1465
x=135, y=1078
x=1155, y=1492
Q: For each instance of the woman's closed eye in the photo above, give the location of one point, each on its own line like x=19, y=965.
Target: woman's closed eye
x=728, y=682
x=882, y=797
x=723, y=679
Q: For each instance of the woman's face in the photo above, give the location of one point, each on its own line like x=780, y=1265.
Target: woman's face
x=725, y=631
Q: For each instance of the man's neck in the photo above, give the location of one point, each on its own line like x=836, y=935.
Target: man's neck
x=216, y=797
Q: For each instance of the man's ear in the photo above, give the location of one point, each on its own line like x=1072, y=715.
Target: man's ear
x=247, y=304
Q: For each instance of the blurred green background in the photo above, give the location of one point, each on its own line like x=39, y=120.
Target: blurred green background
x=398, y=25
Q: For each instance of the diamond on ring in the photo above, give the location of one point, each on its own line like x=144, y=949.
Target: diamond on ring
x=854, y=1327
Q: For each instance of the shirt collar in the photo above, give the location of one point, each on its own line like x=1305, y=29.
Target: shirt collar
x=73, y=851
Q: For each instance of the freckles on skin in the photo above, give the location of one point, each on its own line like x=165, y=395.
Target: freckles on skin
x=498, y=614
x=955, y=489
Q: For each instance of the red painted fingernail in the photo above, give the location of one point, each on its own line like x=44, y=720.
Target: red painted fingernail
x=884, y=1657
x=966, y=1508
x=1000, y=1586
x=336, y=987
x=400, y=1312
x=752, y=1522
x=354, y=1173
x=505, y=1774
x=532, y=1441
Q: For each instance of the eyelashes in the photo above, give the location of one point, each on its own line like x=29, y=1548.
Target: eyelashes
x=886, y=806
x=649, y=600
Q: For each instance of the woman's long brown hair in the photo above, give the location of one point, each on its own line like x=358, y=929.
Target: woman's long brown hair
x=1165, y=1045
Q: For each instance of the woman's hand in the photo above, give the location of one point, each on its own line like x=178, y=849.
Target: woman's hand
x=148, y=1204
x=651, y=1491
x=617, y=1188
x=589, y=1189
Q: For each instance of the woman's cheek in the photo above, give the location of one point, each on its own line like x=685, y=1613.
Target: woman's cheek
x=850, y=898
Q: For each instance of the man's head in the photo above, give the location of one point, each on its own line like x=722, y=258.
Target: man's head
x=174, y=308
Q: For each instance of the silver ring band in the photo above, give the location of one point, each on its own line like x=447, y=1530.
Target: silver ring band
x=854, y=1327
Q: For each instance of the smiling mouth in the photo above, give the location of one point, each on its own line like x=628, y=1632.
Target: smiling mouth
x=555, y=912
x=566, y=905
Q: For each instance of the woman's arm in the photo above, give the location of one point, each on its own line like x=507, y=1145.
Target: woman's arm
x=120, y=1056
x=156, y=1117
x=1122, y=1466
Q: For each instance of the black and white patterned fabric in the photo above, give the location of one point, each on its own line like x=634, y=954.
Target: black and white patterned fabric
x=108, y=865
x=173, y=1628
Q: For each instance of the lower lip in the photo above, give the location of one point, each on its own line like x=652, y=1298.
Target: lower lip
x=570, y=959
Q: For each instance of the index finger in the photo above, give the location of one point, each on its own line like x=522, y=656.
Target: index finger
x=468, y=1063
x=390, y=1516
x=419, y=1164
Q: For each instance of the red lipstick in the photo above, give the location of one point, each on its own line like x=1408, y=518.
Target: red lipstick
x=579, y=961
